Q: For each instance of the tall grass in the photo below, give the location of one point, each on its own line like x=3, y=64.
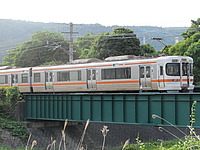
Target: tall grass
x=104, y=132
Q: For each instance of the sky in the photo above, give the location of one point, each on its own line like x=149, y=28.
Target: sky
x=161, y=13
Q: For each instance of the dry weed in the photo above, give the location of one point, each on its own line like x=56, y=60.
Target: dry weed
x=80, y=147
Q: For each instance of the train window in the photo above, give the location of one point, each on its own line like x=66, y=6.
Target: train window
x=116, y=73
x=161, y=70
x=148, y=72
x=88, y=74
x=191, y=69
x=185, y=67
x=14, y=78
x=37, y=77
x=173, y=69
x=75, y=75
x=141, y=72
x=48, y=77
x=51, y=76
x=93, y=74
x=108, y=74
x=25, y=78
x=123, y=73
x=63, y=76
x=4, y=79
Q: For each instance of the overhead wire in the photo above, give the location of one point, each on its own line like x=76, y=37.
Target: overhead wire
x=37, y=47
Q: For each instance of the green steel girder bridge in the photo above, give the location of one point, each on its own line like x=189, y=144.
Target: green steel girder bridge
x=124, y=108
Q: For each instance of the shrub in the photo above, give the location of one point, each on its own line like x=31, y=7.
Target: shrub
x=8, y=101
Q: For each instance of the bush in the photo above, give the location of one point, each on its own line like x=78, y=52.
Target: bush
x=8, y=101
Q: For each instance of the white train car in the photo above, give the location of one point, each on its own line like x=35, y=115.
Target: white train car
x=169, y=73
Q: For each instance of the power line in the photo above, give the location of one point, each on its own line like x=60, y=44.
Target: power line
x=50, y=46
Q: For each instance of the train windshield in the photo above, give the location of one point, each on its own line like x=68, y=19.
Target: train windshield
x=173, y=69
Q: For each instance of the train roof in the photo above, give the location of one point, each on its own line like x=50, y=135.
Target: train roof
x=92, y=64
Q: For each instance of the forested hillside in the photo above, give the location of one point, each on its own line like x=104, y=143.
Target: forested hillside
x=14, y=32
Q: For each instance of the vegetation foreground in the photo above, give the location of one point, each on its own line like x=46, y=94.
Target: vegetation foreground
x=190, y=142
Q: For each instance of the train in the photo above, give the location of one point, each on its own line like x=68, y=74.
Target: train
x=160, y=74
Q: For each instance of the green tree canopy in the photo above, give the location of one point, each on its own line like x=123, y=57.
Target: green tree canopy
x=165, y=50
x=147, y=50
x=45, y=47
x=85, y=47
x=121, y=41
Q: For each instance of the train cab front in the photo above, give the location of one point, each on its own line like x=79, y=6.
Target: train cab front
x=179, y=74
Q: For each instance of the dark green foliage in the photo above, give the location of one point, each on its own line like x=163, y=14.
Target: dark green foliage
x=43, y=48
x=16, y=128
x=85, y=46
x=120, y=42
x=8, y=99
x=147, y=50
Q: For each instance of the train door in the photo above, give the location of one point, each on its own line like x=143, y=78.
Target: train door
x=145, y=77
x=161, y=82
x=48, y=80
x=185, y=74
x=14, y=79
x=91, y=78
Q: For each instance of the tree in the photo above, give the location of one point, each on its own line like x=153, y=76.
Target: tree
x=147, y=50
x=190, y=46
x=195, y=27
x=121, y=42
x=44, y=47
x=165, y=50
x=85, y=47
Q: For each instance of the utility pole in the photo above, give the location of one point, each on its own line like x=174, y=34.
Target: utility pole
x=71, y=47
